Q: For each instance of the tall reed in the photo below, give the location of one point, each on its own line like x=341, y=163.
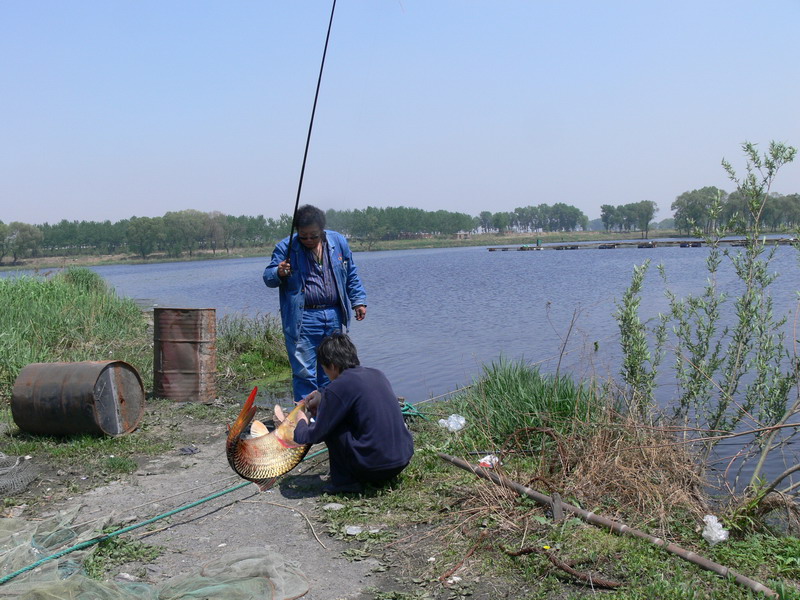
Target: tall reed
x=512, y=396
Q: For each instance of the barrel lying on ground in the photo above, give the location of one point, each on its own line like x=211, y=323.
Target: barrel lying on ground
x=96, y=397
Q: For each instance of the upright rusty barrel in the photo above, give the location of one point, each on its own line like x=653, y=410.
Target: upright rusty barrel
x=185, y=360
x=103, y=397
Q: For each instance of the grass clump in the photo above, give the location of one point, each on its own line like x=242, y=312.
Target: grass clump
x=251, y=351
x=70, y=317
x=117, y=551
x=559, y=433
x=512, y=397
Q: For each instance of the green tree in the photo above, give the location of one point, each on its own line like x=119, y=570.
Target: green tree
x=540, y=217
x=608, y=215
x=233, y=232
x=367, y=226
x=596, y=225
x=792, y=207
x=645, y=211
x=24, y=240
x=61, y=238
x=501, y=221
x=3, y=241
x=257, y=231
x=184, y=231
x=143, y=234
x=118, y=236
x=485, y=219
x=279, y=229
x=668, y=223
x=217, y=223
x=693, y=209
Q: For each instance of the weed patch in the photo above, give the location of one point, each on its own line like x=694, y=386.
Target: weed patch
x=117, y=551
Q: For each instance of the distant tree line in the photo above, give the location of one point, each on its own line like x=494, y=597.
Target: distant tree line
x=392, y=223
x=174, y=234
x=528, y=219
x=635, y=216
x=703, y=210
x=188, y=231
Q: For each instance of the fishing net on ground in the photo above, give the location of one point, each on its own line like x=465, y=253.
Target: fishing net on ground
x=241, y=574
x=16, y=472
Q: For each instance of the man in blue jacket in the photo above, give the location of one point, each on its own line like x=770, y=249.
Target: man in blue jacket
x=359, y=419
x=319, y=292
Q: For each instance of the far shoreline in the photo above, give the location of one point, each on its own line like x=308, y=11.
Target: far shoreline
x=483, y=239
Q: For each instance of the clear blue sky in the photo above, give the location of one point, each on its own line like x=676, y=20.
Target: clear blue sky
x=113, y=109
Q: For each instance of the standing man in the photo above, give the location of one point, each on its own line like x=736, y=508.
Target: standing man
x=319, y=292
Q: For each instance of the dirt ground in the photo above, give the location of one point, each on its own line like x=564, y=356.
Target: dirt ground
x=285, y=518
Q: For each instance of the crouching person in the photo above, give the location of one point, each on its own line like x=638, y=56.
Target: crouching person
x=358, y=417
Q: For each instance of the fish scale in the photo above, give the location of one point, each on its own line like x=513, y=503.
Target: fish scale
x=265, y=456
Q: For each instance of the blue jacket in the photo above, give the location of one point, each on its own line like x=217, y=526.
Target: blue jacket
x=292, y=296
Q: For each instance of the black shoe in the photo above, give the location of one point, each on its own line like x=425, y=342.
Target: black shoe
x=345, y=488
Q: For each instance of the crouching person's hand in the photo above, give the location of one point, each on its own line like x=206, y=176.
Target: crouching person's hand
x=312, y=402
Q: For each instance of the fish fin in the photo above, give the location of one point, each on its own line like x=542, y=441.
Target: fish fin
x=257, y=429
x=245, y=416
x=265, y=484
x=279, y=415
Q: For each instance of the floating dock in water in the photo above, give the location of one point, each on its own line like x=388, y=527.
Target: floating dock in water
x=637, y=244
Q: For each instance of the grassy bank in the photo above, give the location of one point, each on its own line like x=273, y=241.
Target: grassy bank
x=72, y=316
x=68, y=318
x=464, y=536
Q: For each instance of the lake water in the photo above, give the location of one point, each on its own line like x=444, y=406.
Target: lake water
x=436, y=316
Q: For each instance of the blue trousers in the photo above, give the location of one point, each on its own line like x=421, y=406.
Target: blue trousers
x=307, y=375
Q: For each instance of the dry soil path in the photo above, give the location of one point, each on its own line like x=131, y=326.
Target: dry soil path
x=284, y=518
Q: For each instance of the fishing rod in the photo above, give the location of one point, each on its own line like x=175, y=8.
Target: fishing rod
x=310, y=128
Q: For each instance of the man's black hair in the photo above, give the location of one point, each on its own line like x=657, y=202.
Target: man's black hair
x=308, y=215
x=337, y=350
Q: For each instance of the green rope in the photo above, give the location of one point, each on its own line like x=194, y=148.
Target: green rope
x=108, y=536
x=408, y=410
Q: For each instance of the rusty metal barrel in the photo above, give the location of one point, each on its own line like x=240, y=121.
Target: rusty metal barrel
x=185, y=354
x=96, y=397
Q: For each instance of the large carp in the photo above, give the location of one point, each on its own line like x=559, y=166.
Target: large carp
x=259, y=455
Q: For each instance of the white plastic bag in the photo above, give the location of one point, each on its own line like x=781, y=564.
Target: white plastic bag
x=453, y=422
x=490, y=461
x=714, y=532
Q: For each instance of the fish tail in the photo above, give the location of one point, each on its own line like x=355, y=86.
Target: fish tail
x=245, y=416
x=265, y=484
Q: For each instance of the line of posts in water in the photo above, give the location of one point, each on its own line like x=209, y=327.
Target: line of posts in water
x=638, y=244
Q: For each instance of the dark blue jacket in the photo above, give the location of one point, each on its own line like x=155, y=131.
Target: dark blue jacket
x=360, y=414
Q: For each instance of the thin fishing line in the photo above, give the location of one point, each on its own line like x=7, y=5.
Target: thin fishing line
x=310, y=128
